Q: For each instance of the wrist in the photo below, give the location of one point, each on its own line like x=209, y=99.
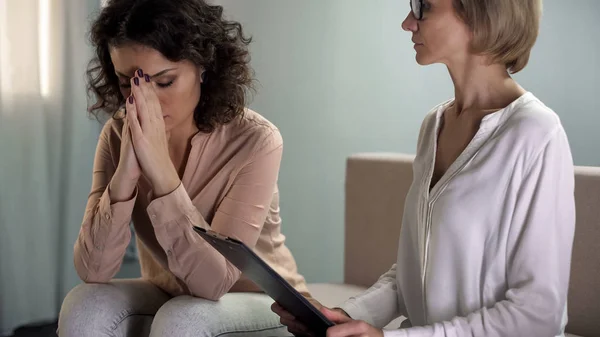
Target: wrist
x=166, y=185
x=121, y=189
x=341, y=311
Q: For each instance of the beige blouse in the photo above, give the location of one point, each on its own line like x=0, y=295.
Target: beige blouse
x=229, y=185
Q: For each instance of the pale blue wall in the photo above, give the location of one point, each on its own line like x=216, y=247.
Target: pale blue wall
x=339, y=77
x=79, y=138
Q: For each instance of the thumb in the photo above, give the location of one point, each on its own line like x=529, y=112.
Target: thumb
x=335, y=316
x=134, y=123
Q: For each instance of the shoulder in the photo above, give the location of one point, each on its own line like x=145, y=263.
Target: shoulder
x=532, y=125
x=254, y=131
x=532, y=134
x=111, y=131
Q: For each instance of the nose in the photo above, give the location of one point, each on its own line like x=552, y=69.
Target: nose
x=410, y=23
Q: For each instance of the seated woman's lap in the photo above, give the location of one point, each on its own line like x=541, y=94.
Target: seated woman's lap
x=119, y=308
x=137, y=308
x=235, y=314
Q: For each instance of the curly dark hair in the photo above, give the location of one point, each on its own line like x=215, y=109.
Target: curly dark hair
x=180, y=30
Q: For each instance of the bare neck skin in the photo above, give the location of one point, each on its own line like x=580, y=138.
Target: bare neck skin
x=180, y=143
x=181, y=135
x=482, y=88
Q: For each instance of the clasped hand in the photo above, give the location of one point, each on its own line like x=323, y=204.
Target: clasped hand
x=145, y=128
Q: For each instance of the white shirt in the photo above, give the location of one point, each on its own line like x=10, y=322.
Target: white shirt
x=487, y=251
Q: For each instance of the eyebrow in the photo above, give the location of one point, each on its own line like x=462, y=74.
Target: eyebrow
x=160, y=73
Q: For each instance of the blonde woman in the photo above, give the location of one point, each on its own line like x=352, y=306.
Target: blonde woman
x=485, y=245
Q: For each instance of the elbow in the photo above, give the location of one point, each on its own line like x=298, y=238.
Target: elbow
x=215, y=297
x=212, y=293
x=218, y=288
x=86, y=272
x=548, y=322
x=557, y=324
x=553, y=328
x=88, y=276
x=91, y=278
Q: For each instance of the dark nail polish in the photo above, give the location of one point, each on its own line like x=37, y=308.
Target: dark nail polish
x=136, y=81
x=147, y=78
x=140, y=73
x=130, y=99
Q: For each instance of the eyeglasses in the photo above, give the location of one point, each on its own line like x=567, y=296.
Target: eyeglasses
x=417, y=8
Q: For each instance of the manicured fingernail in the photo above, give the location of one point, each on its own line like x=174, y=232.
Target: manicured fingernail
x=140, y=73
x=136, y=81
x=147, y=78
x=130, y=99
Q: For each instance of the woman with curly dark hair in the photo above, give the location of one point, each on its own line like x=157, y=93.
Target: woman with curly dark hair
x=180, y=150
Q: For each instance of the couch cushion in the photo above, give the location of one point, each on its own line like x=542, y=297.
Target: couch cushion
x=331, y=295
x=376, y=187
x=584, y=287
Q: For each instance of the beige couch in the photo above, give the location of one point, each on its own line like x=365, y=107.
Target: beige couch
x=376, y=185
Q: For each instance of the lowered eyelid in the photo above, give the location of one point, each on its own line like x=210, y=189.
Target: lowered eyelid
x=163, y=78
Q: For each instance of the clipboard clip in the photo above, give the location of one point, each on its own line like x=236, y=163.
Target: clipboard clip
x=216, y=235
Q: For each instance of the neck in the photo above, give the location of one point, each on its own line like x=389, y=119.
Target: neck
x=482, y=87
x=180, y=137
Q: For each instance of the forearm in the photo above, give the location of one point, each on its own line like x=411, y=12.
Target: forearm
x=103, y=239
x=378, y=305
x=240, y=214
x=121, y=188
x=514, y=317
x=206, y=273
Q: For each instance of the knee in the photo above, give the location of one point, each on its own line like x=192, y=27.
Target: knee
x=87, y=310
x=184, y=316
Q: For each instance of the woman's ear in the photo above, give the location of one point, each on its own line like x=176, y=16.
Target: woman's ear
x=202, y=75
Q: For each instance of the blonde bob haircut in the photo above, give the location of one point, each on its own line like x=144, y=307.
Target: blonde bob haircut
x=505, y=30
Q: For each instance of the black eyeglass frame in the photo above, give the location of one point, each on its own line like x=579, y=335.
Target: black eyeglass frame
x=416, y=7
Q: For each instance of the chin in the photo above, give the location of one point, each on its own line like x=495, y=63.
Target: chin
x=426, y=60
x=423, y=60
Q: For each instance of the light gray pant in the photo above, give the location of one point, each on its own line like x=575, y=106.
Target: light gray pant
x=131, y=308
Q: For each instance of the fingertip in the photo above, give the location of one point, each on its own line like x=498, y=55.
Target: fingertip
x=332, y=314
x=279, y=309
x=134, y=82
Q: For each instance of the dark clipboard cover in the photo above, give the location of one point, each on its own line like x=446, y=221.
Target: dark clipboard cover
x=257, y=270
